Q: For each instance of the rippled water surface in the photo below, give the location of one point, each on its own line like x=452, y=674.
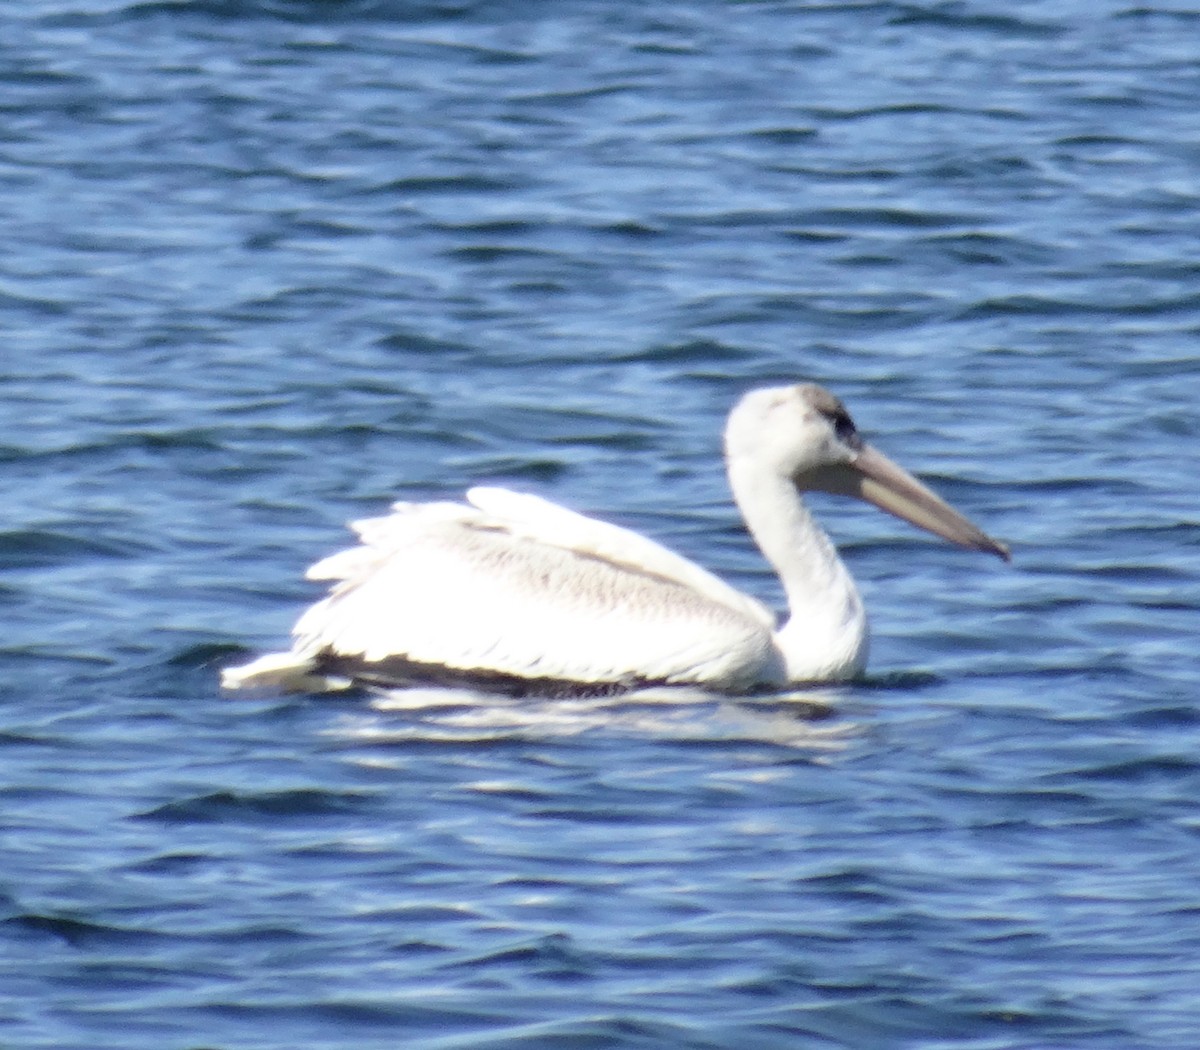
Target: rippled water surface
x=270, y=265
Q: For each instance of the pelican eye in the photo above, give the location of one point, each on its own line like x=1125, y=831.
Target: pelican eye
x=844, y=427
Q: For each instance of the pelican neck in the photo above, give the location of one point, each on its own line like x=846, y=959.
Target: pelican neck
x=825, y=631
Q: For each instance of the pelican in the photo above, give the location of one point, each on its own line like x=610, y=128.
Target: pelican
x=509, y=592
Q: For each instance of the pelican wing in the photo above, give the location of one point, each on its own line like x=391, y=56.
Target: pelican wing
x=549, y=523
x=513, y=585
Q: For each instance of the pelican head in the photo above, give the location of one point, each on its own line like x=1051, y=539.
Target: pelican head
x=804, y=434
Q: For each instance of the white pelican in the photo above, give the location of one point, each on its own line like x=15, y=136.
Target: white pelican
x=510, y=592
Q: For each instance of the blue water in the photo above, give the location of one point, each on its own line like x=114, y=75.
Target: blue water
x=270, y=265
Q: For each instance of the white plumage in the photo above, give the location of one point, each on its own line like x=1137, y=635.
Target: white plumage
x=513, y=592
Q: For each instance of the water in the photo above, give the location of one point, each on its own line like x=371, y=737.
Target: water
x=270, y=265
